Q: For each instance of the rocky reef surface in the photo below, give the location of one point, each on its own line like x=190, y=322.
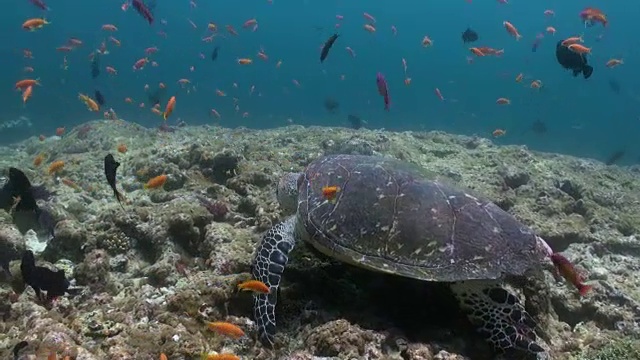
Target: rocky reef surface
x=152, y=274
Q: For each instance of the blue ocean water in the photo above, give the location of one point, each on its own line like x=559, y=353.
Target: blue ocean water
x=584, y=117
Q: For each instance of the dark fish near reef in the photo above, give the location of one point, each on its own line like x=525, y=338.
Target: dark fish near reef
x=573, y=61
x=327, y=46
x=155, y=97
x=18, y=198
x=41, y=278
x=539, y=127
x=615, y=157
x=110, y=169
x=331, y=105
x=18, y=347
x=355, y=121
x=95, y=66
x=214, y=53
x=99, y=97
x=469, y=36
x=143, y=10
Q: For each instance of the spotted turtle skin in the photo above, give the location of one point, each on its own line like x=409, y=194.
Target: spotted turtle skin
x=393, y=217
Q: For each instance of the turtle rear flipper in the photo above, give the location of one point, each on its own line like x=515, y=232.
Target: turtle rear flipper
x=268, y=265
x=499, y=315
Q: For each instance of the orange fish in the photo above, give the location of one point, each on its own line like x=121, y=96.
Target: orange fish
x=426, y=41
x=330, y=192
x=614, y=62
x=225, y=328
x=254, y=285
x=55, y=167
x=498, y=132
x=35, y=23
x=122, y=148
x=579, y=49
x=223, y=356
x=163, y=356
x=245, y=61
x=370, y=28
x=171, y=104
x=25, y=83
x=569, y=272
x=38, y=160
x=476, y=51
x=512, y=30
x=156, y=182
x=249, y=23
x=70, y=183
x=109, y=27
x=27, y=94
x=503, y=101
x=91, y=104
x=572, y=40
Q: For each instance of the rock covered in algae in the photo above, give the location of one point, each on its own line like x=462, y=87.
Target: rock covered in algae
x=154, y=273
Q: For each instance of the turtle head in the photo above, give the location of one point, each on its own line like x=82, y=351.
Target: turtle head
x=287, y=192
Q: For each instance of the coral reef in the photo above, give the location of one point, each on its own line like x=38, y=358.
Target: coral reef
x=152, y=274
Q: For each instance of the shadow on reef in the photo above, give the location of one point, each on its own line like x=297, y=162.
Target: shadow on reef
x=317, y=290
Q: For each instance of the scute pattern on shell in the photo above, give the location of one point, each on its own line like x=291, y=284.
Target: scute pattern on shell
x=389, y=217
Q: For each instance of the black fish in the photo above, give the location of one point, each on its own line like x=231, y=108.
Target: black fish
x=214, y=53
x=19, y=346
x=331, y=105
x=573, y=61
x=99, y=97
x=469, y=36
x=614, y=86
x=535, y=45
x=95, y=66
x=155, y=97
x=539, y=127
x=327, y=46
x=355, y=120
x=19, y=197
x=41, y=278
x=615, y=157
x=110, y=168
x=143, y=10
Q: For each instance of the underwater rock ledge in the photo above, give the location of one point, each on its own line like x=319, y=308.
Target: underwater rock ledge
x=153, y=274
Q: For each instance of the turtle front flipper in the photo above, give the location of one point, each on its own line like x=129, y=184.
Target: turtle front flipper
x=268, y=265
x=499, y=315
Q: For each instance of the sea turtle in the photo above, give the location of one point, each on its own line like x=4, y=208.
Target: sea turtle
x=387, y=216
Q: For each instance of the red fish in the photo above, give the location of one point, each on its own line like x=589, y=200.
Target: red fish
x=383, y=89
x=143, y=10
x=569, y=272
x=40, y=4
